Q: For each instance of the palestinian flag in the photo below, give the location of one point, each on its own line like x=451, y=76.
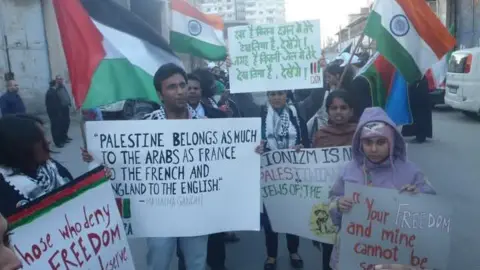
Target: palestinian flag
x=124, y=207
x=45, y=204
x=388, y=89
x=409, y=35
x=196, y=33
x=111, y=53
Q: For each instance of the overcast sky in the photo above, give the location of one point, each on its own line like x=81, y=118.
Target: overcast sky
x=332, y=13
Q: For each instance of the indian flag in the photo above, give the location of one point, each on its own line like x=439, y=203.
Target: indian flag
x=409, y=35
x=111, y=53
x=195, y=33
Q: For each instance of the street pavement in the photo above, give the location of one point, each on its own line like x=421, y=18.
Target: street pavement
x=451, y=161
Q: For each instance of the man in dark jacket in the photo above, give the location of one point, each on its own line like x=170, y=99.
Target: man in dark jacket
x=196, y=86
x=11, y=102
x=65, y=104
x=55, y=111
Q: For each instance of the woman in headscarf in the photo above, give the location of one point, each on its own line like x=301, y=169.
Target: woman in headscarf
x=282, y=128
x=27, y=171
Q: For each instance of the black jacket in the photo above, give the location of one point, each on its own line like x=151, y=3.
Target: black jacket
x=53, y=103
x=11, y=199
x=213, y=113
x=300, y=126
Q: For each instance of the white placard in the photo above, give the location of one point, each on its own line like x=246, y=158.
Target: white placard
x=84, y=232
x=275, y=57
x=182, y=177
x=295, y=188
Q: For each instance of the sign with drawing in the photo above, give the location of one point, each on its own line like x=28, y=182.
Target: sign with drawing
x=298, y=183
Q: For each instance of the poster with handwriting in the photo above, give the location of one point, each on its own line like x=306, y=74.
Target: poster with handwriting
x=76, y=227
x=177, y=178
x=385, y=226
x=275, y=57
x=295, y=188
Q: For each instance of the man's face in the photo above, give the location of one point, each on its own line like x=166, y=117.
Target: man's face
x=12, y=86
x=59, y=80
x=216, y=71
x=174, y=91
x=194, y=92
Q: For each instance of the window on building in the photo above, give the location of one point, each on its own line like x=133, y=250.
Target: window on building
x=433, y=5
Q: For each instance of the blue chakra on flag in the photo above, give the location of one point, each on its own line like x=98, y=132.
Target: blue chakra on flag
x=194, y=28
x=399, y=25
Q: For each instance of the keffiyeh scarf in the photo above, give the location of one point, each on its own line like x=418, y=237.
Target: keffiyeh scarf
x=46, y=180
x=280, y=132
x=160, y=114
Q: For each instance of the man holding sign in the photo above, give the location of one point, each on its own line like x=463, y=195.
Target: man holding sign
x=171, y=84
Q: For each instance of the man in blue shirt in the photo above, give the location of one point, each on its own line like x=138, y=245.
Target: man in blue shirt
x=11, y=102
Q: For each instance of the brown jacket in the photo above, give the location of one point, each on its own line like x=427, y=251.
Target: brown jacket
x=330, y=136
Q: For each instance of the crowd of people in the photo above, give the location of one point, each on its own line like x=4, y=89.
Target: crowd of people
x=331, y=116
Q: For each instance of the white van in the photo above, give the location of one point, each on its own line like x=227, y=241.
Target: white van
x=463, y=82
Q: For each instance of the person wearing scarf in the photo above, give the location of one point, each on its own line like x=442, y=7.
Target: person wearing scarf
x=27, y=170
x=282, y=128
x=170, y=81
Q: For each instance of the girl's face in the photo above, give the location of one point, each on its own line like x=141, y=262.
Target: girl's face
x=8, y=260
x=339, y=113
x=332, y=80
x=377, y=149
x=277, y=99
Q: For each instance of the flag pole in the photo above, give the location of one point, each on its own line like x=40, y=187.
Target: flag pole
x=360, y=40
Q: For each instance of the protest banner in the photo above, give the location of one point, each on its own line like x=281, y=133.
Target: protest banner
x=275, y=57
x=178, y=178
x=75, y=227
x=386, y=226
x=295, y=188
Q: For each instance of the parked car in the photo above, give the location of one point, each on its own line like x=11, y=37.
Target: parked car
x=128, y=109
x=463, y=82
x=437, y=96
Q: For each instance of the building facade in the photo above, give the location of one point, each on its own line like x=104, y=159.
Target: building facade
x=467, y=22
x=23, y=50
x=252, y=11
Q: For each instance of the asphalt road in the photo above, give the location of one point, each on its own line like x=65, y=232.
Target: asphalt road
x=451, y=160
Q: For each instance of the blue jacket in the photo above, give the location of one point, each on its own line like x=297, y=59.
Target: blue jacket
x=12, y=103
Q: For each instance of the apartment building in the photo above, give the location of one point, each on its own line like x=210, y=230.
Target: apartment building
x=252, y=11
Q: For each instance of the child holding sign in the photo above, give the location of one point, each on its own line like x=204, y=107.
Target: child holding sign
x=379, y=160
x=338, y=132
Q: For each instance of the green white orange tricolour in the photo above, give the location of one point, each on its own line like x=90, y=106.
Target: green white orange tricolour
x=409, y=35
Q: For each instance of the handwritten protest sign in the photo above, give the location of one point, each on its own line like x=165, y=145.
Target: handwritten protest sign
x=295, y=188
x=76, y=227
x=178, y=178
x=385, y=226
x=275, y=57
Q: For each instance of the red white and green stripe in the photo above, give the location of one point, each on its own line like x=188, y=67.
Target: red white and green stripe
x=409, y=35
x=379, y=73
x=111, y=53
x=44, y=205
x=193, y=32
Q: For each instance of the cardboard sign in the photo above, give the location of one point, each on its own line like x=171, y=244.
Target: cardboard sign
x=275, y=57
x=76, y=227
x=385, y=226
x=175, y=178
x=295, y=188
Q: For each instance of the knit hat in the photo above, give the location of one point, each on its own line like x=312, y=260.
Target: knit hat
x=377, y=129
